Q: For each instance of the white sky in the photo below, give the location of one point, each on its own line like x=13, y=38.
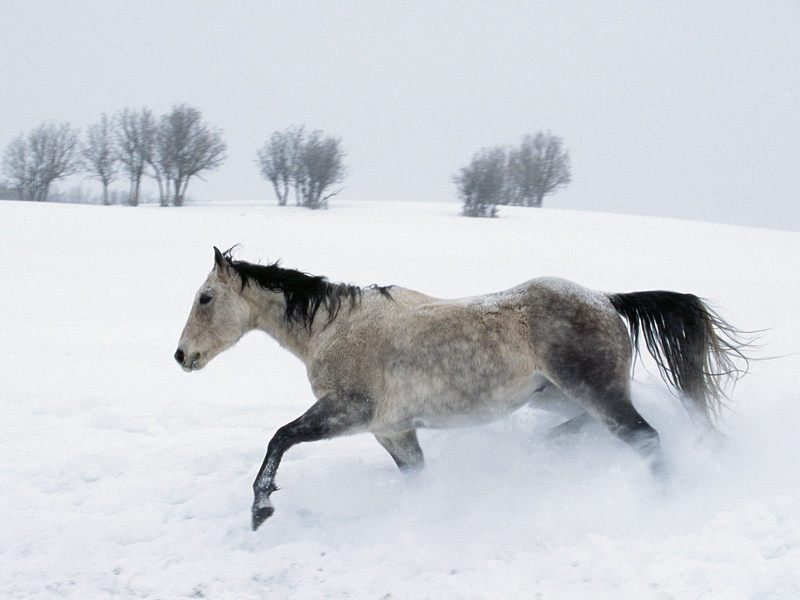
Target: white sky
x=684, y=109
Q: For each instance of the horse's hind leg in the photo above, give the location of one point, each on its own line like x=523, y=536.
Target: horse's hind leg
x=331, y=416
x=605, y=395
x=549, y=397
x=403, y=448
x=571, y=426
x=624, y=421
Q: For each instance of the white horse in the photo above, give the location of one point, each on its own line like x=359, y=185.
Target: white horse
x=388, y=360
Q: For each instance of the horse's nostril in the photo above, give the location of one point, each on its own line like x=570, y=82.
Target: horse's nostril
x=179, y=356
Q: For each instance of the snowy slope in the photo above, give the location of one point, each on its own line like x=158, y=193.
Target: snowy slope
x=120, y=475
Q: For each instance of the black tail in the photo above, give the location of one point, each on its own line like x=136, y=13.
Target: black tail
x=696, y=350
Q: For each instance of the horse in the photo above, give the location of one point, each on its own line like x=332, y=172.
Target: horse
x=388, y=360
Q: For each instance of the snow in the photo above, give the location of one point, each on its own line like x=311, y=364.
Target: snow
x=120, y=475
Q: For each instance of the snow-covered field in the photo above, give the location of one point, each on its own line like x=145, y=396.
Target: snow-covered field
x=122, y=476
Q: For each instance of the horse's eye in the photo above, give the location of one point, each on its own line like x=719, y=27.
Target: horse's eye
x=205, y=299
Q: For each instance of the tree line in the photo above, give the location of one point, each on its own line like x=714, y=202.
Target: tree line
x=517, y=176
x=172, y=149
x=308, y=165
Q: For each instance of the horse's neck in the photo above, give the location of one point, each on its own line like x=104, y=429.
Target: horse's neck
x=268, y=313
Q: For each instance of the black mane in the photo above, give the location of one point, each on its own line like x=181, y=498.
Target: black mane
x=304, y=293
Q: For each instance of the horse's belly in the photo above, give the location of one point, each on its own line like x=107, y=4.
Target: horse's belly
x=474, y=415
x=436, y=406
x=472, y=367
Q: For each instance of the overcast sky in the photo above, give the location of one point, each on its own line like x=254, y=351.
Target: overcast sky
x=683, y=109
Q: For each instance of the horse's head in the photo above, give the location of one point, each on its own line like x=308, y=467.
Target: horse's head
x=219, y=317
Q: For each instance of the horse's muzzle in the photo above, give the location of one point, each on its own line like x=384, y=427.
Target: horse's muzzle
x=187, y=363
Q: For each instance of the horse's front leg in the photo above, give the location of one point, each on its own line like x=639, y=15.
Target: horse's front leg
x=332, y=415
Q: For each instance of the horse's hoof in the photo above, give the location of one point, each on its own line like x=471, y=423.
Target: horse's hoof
x=261, y=514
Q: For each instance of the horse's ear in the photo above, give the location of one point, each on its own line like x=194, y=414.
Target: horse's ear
x=220, y=264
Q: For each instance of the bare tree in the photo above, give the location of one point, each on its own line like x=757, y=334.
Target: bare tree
x=481, y=184
x=161, y=167
x=296, y=139
x=17, y=168
x=54, y=149
x=100, y=155
x=152, y=150
x=319, y=167
x=538, y=168
x=311, y=163
x=187, y=148
x=277, y=160
x=131, y=133
x=50, y=152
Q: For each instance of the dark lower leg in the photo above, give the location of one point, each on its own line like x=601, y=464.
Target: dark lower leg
x=331, y=416
x=629, y=426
